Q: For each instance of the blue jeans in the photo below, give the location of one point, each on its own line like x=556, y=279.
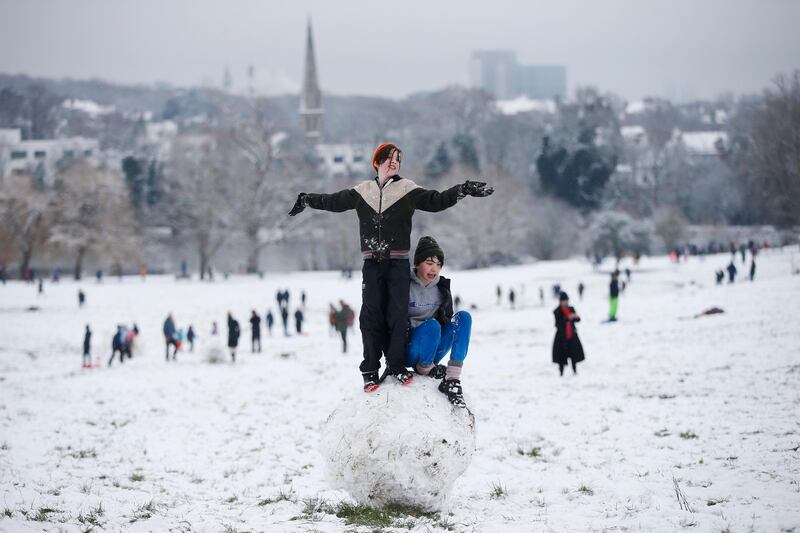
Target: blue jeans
x=429, y=342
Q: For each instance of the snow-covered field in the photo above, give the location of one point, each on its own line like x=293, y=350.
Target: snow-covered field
x=712, y=404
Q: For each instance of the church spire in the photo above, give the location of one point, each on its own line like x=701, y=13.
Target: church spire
x=311, y=99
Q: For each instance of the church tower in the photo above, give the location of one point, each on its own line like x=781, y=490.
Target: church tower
x=311, y=98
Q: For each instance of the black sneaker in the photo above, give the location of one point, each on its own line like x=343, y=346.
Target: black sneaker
x=438, y=371
x=403, y=376
x=452, y=389
x=370, y=381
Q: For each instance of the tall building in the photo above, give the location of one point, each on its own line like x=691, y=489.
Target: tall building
x=499, y=73
x=311, y=98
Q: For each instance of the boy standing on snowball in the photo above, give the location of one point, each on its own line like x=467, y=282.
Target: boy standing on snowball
x=385, y=206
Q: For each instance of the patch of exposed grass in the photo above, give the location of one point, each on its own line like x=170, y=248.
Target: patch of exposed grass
x=282, y=496
x=388, y=516
x=497, y=491
x=716, y=501
x=43, y=514
x=8, y=512
x=232, y=499
x=585, y=489
x=136, y=477
x=662, y=433
x=92, y=518
x=144, y=511
x=392, y=515
x=4, y=446
x=88, y=453
x=688, y=434
x=535, y=451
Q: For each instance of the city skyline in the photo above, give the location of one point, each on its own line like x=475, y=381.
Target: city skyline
x=677, y=50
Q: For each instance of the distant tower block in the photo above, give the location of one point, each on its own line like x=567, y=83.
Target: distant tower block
x=311, y=99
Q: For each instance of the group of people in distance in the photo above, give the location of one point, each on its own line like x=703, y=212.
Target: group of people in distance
x=406, y=314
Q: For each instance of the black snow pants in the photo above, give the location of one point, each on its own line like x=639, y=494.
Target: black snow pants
x=384, y=313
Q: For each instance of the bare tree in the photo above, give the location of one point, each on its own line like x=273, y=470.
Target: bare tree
x=199, y=194
x=93, y=214
x=486, y=230
x=670, y=225
x=260, y=183
x=776, y=149
x=27, y=213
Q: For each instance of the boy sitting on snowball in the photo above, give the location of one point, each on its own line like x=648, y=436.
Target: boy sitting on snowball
x=435, y=329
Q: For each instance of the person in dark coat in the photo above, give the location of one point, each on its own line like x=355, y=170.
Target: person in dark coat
x=385, y=206
x=118, y=345
x=81, y=298
x=344, y=320
x=270, y=320
x=512, y=297
x=233, y=336
x=720, y=276
x=87, y=347
x=753, y=268
x=170, y=336
x=190, y=336
x=255, y=331
x=731, y=272
x=285, y=320
x=580, y=290
x=566, y=344
x=298, y=321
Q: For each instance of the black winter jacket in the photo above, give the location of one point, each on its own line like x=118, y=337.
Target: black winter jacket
x=384, y=215
x=564, y=349
x=445, y=311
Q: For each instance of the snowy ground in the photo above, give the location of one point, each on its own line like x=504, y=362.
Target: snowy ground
x=711, y=404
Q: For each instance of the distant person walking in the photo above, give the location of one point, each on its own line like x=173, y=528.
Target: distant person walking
x=118, y=345
x=580, y=290
x=81, y=298
x=285, y=320
x=499, y=293
x=512, y=297
x=566, y=344
x=233, y=336
x=87, y=347
x=344, y=320
x=298, y=320
x=731, y=272
x=190, y=336
x=270, y=320
x=613, y=296
x=169, y=336
x=753, y=268
x=255, y=332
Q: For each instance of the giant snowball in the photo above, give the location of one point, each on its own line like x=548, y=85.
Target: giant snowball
x=400, y=444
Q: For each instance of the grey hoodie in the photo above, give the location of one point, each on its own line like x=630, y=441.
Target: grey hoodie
x=423, y=302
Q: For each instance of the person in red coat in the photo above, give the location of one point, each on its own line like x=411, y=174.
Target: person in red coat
x=566, y=344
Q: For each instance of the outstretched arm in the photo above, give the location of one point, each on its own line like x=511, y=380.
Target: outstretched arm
x=336, y=202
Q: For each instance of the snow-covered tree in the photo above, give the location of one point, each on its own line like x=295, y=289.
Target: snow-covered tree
x=93, y=214
x=616, y=233
x=27, y=215
x=197, y=200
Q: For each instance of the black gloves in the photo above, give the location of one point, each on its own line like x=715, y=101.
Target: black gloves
x=300, y=204
x=474, y=188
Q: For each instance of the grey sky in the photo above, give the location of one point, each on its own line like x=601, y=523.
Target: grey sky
x=674, y=48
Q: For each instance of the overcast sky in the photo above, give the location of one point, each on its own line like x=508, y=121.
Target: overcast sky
x=674, y=48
